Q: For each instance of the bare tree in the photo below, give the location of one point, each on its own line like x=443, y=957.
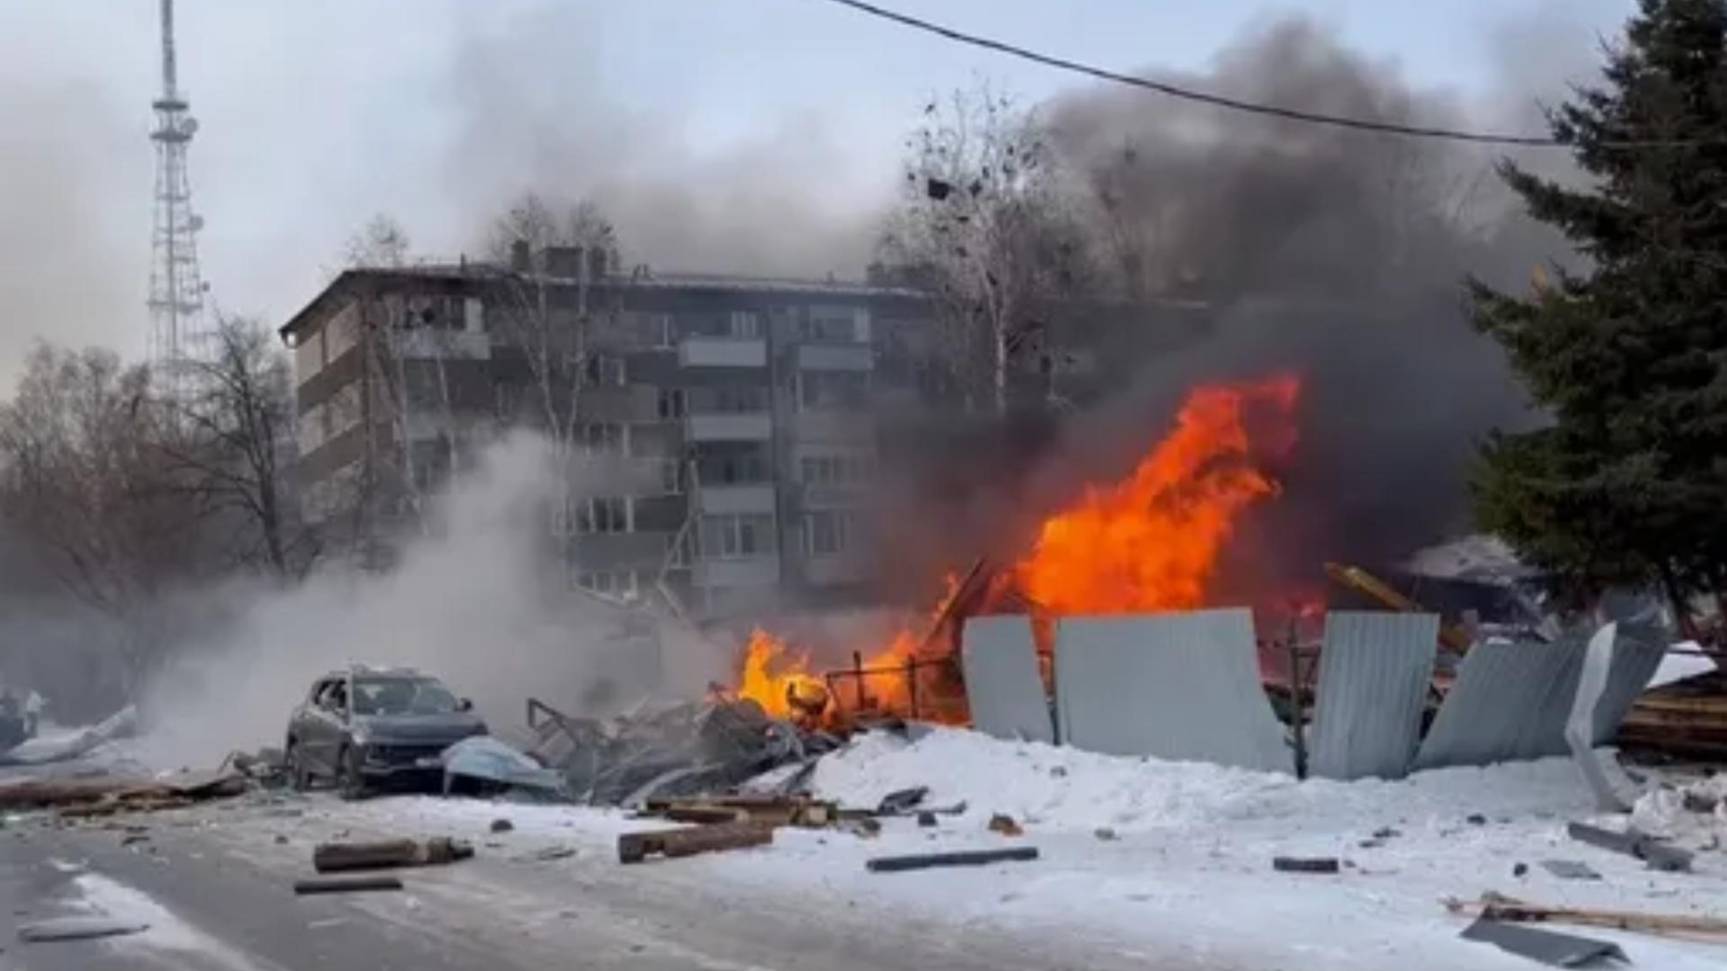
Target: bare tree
x=232, y=443
x=382, y=242
x=985, y=225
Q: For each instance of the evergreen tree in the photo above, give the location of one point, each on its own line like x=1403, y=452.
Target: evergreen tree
x=1627, y=484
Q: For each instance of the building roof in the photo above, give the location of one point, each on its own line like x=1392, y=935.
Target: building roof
x=465, y=270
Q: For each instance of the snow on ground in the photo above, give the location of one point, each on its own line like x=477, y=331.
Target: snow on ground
x=1185, y=871
x=186, y=945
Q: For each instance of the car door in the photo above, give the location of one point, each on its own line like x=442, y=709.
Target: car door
x=321, y=728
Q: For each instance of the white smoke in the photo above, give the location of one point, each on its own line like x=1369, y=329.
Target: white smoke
x=474, y=603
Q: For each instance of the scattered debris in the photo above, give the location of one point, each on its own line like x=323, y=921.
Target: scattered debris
x=106, y=795
x=490, y=760
x=1519, y=869
x=1386, y=832
x=1498, y=907
x=665, y=751
x=1548, y=947
x=1475, y=819
x=1005, y=825
x=671, y=843
x=1105, y=833
x=134, y=838
x=926, y=818
x=40, y=751
x=894, y=864
x=1658, y=855
x=78, y=929
x=863, y=828
x=267, y=765
x=1699, y=802
x=772, y=810
x=1300, y=864
x=1570, y=870
x=551, y=853
x=336, y=857
x=502, y=826
x=345, y=884
x=901, y=802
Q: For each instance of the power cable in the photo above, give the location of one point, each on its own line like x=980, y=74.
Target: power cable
x=1220, y=101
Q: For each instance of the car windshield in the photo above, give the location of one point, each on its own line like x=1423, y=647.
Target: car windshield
x=402, y=696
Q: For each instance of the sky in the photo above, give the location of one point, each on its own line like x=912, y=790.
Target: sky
x=723, y=134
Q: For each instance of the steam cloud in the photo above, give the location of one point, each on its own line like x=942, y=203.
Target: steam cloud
x=475, y=603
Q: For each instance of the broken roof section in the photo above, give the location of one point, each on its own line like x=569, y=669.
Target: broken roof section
x=1374, y=670
x=1174, y=686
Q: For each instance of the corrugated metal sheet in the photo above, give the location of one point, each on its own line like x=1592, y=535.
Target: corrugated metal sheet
x=1175, y=686
x=1002, y=684
x=1613, y=790
x=1637, y=652
x=1374, y=670
x=1509, y=702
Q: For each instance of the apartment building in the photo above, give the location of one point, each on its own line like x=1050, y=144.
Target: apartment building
x=739, y=413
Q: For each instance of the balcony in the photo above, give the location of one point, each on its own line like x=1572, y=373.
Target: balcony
x=430, y=343
x=836, y=427
x=722, y=352
x=746, y=499
x=835, y=357
x=748, y=426
x=754, y=571
x=825, y=571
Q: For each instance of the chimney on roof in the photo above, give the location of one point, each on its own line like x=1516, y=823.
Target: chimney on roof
x=521, y=257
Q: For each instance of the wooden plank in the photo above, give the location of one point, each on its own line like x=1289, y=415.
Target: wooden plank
x=895, y=864
x=672, y=843
x=345, y=884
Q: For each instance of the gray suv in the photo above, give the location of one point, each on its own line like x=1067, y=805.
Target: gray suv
x=366, y=727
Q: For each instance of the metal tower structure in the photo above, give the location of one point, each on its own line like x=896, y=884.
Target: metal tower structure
x=176, y=286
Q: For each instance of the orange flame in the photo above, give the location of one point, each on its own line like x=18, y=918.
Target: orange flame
x=1152, y=541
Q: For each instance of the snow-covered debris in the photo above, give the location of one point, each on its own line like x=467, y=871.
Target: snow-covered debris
x=1693, y=814
x=1063, y=788
x=1678, y=667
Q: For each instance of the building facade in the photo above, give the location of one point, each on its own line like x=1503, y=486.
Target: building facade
x=735, y=418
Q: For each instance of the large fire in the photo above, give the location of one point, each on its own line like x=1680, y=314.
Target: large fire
x=1152, y=541
x=1149, y=542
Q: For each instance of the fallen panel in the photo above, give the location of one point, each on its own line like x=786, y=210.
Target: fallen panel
x=1548, y=947
x=1374, y=671
x=78, y=929
x=1510, y=701
x=1174, y=686
x=1638, y=650
x=1002, y=684
x=1613, y=790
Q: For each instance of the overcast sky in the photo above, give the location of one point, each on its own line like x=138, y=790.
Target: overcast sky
x=725, y=133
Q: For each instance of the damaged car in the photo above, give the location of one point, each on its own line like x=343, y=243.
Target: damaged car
x=366, y=728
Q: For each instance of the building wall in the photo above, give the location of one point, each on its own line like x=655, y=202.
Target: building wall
x=733, y=419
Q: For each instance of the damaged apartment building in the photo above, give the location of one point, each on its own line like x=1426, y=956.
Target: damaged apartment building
x=743, y=412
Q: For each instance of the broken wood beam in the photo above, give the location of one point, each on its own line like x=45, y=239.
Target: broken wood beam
x=345, y=884
x=921, y=861
x=1494, y=906
x=1300, y=864
x=672, y=843
x=338, y=857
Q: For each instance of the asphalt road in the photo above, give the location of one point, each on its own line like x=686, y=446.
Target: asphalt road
x=215, y=882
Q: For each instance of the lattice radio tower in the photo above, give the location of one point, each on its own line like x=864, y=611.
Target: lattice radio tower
x=176, y=287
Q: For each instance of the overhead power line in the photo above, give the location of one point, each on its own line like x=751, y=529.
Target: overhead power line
x=1216, y=100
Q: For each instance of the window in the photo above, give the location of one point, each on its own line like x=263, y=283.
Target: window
x=673, y=403
x=745, y=324
x=739, y=399
x=662, y=331
x=837, y=324
x=732, y=468
x=672, y=475
x=827, y=532
x=845, y=469
x=606, y=436
x=603, y=515
x=606, y=370
x=736, y=536
x=832, y=389
x=613, y=583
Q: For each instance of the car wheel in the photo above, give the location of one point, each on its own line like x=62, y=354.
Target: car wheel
x=349, y=783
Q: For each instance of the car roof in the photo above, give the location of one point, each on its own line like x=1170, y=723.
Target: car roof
x=375, y=671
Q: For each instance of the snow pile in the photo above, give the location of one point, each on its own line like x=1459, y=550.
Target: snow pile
x=1693, y=814
x=1061, y=788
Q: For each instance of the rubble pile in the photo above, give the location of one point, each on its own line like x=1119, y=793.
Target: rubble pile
x=666, y=750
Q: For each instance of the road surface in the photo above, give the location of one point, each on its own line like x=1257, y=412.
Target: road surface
x=215, y=884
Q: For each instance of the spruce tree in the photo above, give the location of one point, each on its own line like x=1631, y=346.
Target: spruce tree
x=1626, y=484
